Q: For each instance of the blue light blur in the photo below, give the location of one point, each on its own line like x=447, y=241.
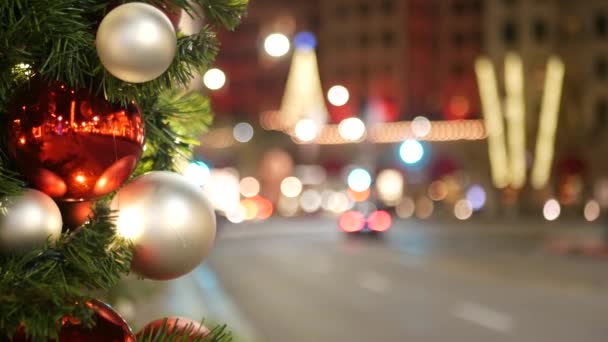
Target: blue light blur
x=411, y=151
x=476, y=195
x=359, y=180
x=198, y=172
x=305, y=41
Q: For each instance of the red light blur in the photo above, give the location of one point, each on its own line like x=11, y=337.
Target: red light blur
x=352, y=221
x=264, y=208
x=379, y=221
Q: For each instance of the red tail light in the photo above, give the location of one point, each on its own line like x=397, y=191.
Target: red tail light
x=379, y=221
x=352, y=221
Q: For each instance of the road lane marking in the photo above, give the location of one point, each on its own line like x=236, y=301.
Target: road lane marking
x=255, y=232
x=484, y=316
x=374, y=282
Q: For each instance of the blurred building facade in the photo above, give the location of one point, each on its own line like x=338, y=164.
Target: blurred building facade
x=416, y=57
x=256, y=81
x=412, y=57
x=577, y=32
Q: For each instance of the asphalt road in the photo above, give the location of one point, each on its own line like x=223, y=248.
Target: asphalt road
x=302, y=280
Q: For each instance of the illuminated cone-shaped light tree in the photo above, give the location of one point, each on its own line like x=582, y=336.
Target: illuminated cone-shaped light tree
x=97, y=109
x=303, y=105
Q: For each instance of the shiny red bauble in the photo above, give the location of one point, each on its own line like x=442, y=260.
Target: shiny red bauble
x=177, y=325
x=109, y=327
x=71, y=144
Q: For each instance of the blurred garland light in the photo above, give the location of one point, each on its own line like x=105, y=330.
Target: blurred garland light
x=386, y=132
x=541, y=170
x=515, y=115
x=490, y=102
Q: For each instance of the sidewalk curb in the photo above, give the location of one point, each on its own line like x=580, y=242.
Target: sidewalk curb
x=219, y=305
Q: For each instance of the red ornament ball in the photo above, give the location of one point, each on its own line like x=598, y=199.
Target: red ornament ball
x=181, y=327
x=109, y=327
x=71, y=144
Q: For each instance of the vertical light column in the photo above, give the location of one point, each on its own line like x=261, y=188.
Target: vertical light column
x=488, y=91
x=515, y=115
x=545, y=141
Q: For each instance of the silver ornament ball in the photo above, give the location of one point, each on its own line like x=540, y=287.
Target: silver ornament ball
x=136, y=42
x=28, y=220
x=170, y=222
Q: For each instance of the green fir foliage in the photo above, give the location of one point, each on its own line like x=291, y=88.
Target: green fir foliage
x=55, y=39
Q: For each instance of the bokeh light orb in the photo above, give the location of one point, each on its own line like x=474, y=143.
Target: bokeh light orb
x=288, y=206
x=338, y=95
x=242, y=132
x=351, y=221
x=306, y=130
x=389, y=184
x=310, y=201
x=463, y=209
x=351, y=129
x=551, y=210
x=421, y=126
x=249, y=187
x=359, y=180
x=405, y=208
x=198, y=173
x=379, y=221
x=214, y=79
x=276, y=45
x=411, y=151
x=592, y=210
x=291, y=187
x=237, y=215
x=476, y=195
x=424, y=208
x=438, y=190
x=222, y=189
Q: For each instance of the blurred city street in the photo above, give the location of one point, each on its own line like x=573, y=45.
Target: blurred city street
x=304, y=280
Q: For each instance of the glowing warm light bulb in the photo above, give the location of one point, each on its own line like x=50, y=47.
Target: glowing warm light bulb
x=214, y=79
x=306, y=130
x=352, y=129
x=276, y=45
x=338, y=95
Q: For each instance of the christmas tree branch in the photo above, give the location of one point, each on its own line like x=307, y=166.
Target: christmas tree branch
x=39, y=288
x=169, y=332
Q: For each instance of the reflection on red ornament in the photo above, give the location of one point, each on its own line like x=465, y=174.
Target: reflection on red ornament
x=72, y=144
x=109, y=326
